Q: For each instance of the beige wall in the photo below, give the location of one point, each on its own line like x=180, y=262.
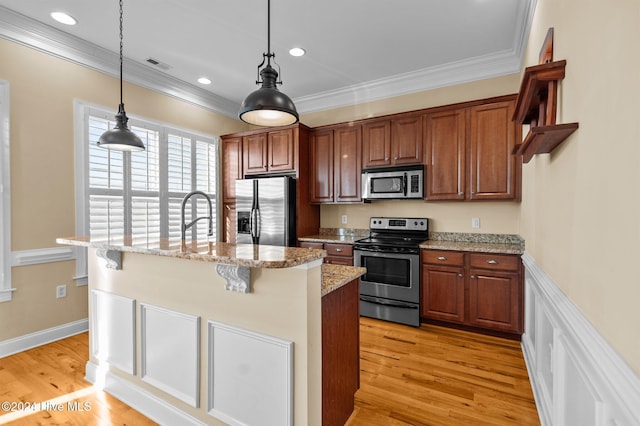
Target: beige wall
x=43, y=89
x=581, y=204
x=495, y=217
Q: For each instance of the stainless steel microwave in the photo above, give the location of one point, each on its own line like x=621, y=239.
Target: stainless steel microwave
x=393, y=183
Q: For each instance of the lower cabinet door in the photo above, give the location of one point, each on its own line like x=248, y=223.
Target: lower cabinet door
x=494, y=300
x=443, y=293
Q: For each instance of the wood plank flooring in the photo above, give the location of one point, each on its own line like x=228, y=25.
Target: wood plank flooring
x=409, y=376
x=439, y=376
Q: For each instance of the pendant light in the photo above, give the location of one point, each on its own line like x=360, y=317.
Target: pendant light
x=120, y=138
x=268, y=106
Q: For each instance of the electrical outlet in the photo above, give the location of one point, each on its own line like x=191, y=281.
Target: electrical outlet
x=475, y=222
x=61, y=291
x=344, y=219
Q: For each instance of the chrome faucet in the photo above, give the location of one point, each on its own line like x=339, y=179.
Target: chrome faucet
x=183, y=223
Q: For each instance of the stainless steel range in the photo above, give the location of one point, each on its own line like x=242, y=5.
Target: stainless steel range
x=390, y=290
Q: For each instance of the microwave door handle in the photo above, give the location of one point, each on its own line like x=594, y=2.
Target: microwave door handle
x=405, y=184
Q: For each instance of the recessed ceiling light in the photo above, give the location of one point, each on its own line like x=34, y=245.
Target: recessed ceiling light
x=204, y=80
x=297, y=51
x=63, y=18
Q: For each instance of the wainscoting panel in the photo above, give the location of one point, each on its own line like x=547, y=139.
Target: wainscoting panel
x=250, y=379
x=577, y=378
x=113, y=337
x=170, y=352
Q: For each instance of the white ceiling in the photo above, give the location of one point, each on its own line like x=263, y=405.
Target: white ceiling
x=357, y=50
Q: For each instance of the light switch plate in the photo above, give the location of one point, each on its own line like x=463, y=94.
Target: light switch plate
x=344, y=219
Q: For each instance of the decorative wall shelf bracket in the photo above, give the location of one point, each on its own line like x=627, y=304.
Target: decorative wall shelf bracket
x=238, y=277
x=112, y=257
x=537, y=105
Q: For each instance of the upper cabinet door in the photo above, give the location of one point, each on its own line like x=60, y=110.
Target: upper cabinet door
x=347, y=164
x=321, y=164
x=446, y=162
x=281, y=151
x=254, y=149
x=376, y=144
x=231, y=167
x=406, y=140
x=495, y=172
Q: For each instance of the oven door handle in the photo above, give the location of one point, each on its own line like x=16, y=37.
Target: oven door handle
x=384, y=302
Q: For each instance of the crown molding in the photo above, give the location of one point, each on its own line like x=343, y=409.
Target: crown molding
x=31, y=33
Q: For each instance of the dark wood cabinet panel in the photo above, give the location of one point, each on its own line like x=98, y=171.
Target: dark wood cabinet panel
x=337, y=254
x=231, y=167
x=492, y=137
x=376, y=143
x=494, y=300
x=480, y=291
x=443, y=293
x=281, y=151
x=229, y=223
x=446, y=155
x=340, y=353
x=347, y=164
x=321, y=165
x=406, y=140
x=254, y=150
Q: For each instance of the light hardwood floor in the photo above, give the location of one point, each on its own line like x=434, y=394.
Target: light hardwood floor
x=409, y=376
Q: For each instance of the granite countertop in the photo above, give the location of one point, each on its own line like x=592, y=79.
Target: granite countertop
x=325, y=238
x=253, y=256
x=335, y=276
x=481, y=243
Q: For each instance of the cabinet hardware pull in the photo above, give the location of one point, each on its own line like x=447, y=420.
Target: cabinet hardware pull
x=338, y=250
x=473, y=277
x=460, y=275
x=442, y=258
x=492, y=262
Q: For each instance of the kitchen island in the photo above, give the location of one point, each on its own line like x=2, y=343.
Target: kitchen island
x=215, y=333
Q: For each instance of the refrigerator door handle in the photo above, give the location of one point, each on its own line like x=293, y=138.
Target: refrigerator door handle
x=257, y=223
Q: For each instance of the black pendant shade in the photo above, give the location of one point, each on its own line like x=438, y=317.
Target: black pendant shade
x=268, y=106
x=120, y=138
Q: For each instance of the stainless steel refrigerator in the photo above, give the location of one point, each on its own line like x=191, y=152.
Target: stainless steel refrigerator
x=266, y=211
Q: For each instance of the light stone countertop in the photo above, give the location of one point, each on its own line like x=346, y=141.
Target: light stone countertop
x=325, y=238
x=253, y=256
x=335, y=276
x=473, y=247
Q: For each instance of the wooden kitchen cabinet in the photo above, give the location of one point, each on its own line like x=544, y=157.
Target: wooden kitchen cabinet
x=393, y=142
x=269, y=152
x=337, y=253
x=469, y=152
x=336, y=165
x=479, y=290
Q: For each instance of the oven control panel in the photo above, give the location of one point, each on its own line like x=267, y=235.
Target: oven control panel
x=399, y=223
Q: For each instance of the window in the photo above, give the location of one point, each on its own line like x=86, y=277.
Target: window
x=5, y=196
x=140, y=193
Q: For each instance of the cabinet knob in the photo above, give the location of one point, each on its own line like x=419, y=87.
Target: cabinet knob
x=473, y=277
x=395, y=158
x=338, y=250
x=492, y=262
x=460, y=275
x=442, y=258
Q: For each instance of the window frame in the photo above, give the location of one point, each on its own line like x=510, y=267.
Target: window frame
x=6, y=290
x=83, y=110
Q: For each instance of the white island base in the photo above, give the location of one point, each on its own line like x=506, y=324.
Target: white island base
x=168, y=339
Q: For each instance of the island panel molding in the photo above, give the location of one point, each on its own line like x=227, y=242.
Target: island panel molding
x=170, y=352
x=113, y=336
x=258, y=367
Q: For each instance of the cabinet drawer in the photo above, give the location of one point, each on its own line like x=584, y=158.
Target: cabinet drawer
x=443, y=257
x=311, y=245
x=339, y=260
x=501, y=262
x=338, y=249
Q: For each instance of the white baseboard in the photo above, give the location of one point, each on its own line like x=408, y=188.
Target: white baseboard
x=138, y=398
x=39, y=338
x=576, y=376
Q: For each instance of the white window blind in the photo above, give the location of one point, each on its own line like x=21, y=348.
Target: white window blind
x=140, y=193
x=5, y=196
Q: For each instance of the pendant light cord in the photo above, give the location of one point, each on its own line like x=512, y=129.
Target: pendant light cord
x=121, y=20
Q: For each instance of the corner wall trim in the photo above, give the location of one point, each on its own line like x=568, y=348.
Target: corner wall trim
x=140, y=399
x=45, y=255
x=39, y=338
x=576, y=376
